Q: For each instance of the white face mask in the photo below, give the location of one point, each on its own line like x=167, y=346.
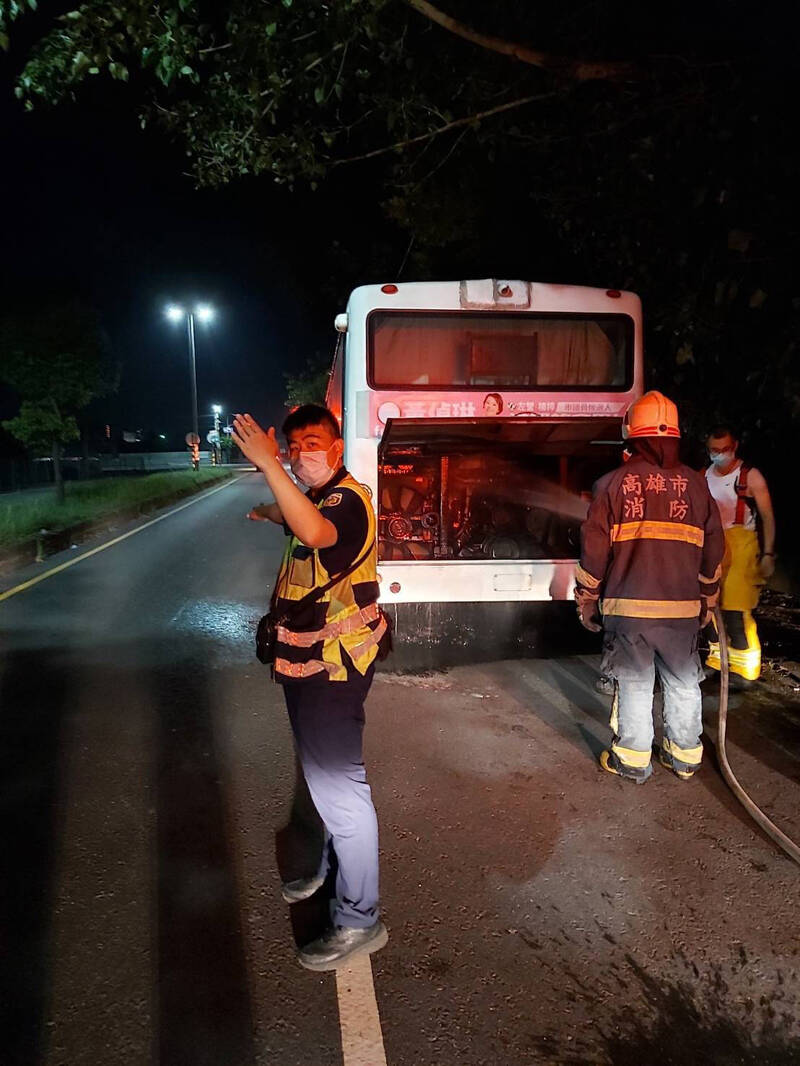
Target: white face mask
x=720, y=458
x=312, y=468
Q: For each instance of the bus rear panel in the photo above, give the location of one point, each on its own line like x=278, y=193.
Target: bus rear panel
x=479, y=415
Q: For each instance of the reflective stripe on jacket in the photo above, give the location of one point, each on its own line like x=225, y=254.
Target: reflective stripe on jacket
x=652, y=543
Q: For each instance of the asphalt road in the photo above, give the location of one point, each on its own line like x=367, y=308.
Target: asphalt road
x=539, y=910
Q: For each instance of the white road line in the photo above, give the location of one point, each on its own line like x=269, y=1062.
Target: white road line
x=359, y=1021
x=110, y=543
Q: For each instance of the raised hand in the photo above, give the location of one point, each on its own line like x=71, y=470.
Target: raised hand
x=259, y=447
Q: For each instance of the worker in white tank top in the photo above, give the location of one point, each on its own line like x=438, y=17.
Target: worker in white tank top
x=744, y=503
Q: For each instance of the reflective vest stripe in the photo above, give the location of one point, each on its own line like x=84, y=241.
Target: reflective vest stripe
x=316, y=666
x=331, y=630
x=651, y=608
x=679, y=531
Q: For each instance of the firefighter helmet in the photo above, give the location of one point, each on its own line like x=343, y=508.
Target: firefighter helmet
x=652, y=415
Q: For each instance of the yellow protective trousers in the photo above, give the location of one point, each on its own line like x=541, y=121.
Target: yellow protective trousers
x=740, y=588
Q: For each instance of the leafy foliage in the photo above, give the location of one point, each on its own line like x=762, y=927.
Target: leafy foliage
x=308, y=385
x=56, y=359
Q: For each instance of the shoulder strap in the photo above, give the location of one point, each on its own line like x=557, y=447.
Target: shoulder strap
x=314, y=595
x=742, y=495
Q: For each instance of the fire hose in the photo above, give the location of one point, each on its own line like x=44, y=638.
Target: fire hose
x=755, y=812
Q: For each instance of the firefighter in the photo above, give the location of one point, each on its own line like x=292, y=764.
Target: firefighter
x=324, y=658
x=744, y=502
x=651, y=549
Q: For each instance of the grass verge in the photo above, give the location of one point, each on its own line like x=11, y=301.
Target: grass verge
x=90, y=501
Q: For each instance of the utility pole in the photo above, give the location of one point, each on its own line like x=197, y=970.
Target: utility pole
x=193, y=361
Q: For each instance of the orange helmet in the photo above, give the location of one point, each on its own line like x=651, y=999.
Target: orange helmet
x=652, y=415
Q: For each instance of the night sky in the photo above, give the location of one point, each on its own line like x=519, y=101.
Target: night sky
x=96, y=208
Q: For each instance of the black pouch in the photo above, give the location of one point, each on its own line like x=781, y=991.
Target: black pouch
x=266, y=639
x=385, y=644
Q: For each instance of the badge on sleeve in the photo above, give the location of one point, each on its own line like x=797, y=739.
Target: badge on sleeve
x=333, y=500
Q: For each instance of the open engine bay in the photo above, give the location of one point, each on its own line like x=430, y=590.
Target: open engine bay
x=489, y=489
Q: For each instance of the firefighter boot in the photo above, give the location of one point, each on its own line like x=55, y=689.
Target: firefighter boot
x=611, y=762
x=684, y=762
x=666, y=761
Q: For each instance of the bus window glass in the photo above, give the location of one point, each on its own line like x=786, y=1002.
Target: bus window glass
x=484, y=350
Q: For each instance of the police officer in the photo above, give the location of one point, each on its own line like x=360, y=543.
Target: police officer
x=325, y=658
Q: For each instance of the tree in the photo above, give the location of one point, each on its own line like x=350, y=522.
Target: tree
x=57, y=360
x=639, y=151
x=310, y=383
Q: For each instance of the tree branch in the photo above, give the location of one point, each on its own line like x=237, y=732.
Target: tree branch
x=443, y=129
x=566, y=67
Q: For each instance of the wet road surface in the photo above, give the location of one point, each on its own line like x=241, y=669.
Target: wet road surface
x=540, y=911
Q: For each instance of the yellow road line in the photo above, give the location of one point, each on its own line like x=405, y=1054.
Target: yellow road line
x=110, y=544
x=359, y=1021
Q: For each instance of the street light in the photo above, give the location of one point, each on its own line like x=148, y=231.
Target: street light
x=203, y=313
x=217, y=409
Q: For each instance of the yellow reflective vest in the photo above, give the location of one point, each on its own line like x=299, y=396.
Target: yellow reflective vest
x=345, y=618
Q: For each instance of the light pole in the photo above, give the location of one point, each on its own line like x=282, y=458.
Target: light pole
x=215, y=407
x=203, y=313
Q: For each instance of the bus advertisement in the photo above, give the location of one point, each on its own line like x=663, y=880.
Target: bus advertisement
x=479, y=414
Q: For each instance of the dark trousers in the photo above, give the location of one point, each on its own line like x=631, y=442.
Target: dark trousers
x=327, y=720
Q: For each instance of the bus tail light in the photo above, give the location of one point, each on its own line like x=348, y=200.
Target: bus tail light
x=394, y=587
x=390, y=290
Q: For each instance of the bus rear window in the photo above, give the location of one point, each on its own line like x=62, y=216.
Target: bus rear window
x=484, y=350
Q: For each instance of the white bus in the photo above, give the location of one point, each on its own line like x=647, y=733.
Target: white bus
x=479, y=414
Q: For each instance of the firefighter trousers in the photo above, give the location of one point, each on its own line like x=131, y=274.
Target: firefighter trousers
x=327, y=720
x=635, y=652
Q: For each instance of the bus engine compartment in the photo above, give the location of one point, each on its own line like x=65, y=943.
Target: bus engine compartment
x=490, y=488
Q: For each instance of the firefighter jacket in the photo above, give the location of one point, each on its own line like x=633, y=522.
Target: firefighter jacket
x=652, y=542
x=340, y=632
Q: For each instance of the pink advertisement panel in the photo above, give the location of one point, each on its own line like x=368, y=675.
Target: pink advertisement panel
x=386, y=405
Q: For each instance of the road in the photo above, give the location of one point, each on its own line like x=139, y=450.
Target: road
x=540, y=911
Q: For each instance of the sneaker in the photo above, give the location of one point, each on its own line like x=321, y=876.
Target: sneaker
x=304, y=888
x=339, y=944
x=610, y=762
x=667, y=762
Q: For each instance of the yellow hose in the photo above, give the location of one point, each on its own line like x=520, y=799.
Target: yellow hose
x=755, y=812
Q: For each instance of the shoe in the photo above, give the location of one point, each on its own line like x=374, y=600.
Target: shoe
x=667, y=762
x=339, y=944
x=303, y=888
x=610, y=762
x=605, y=685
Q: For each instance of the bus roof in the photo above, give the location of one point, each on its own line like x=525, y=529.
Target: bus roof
x=492, y=294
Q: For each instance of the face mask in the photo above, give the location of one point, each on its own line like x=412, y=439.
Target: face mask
x=720, y=458
x=312, y=469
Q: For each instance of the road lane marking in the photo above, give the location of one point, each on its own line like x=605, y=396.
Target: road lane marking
x=110, y=544
x=359, y=1021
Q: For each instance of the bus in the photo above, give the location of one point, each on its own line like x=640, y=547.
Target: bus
x=479, y=414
